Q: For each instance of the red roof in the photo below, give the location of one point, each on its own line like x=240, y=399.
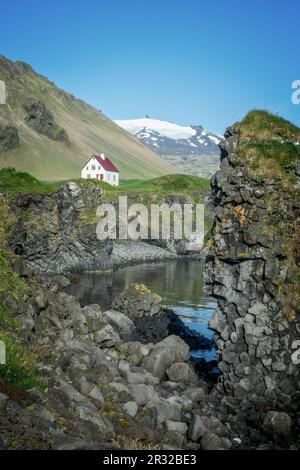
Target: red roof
x=106, y=163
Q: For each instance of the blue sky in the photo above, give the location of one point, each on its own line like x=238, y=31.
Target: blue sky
x=187, y=61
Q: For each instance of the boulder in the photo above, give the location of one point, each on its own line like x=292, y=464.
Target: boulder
x=277, y=426
x=177, y=426
x=131, y=408
x=196, y=428
x=165, y=410
x=145, y=309
x=107, y=337
x=138, y=301
x=135, y=375
x=122, y=324
x=164, y=354
x=183, y=373
x=134, y=352
x=142, y=393
x=211, y=441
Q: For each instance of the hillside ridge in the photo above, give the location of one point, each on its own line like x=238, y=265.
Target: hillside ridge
x=51, y=134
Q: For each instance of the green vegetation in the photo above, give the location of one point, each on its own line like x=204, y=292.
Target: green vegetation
x=6, y=318
x=271, y=156
x=19, y=367
x=11, y=180
x=10, y=282
x=171, y=184
x=261, y=125
x=270, y=145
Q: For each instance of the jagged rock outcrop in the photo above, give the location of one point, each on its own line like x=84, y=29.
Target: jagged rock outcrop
x=152, y=320
x=41, y=120
x=252, y=271
x=106, y=390
x=9, y=137
x=52, y=233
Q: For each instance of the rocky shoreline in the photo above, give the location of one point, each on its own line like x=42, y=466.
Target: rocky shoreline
x=129, y=253
x=109, y=384
x=123, y=378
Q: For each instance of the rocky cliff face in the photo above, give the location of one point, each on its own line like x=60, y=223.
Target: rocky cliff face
x=53, y=232
x=253, y=270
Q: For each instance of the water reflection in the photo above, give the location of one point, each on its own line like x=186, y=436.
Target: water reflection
x=180, y=284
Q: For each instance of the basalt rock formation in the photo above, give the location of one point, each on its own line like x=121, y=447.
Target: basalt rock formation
x=253, y=265
x=52, y=231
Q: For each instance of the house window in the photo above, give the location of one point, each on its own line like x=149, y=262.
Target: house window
x=114, y=177
x=88, y=176
x=87, y=168
x=99, y=167
x=93, y=167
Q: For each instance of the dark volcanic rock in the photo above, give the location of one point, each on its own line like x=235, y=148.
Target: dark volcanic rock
x=40, y=119
x=9, y=137
x=249, y=272
x=51, y=235
x=152, y=320
x=145, y=309
x=277, y=426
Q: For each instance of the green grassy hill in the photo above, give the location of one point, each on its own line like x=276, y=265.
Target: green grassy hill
x=88, y=131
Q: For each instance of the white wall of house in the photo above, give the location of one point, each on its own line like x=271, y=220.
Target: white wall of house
x=112, y=178
x=93, y=169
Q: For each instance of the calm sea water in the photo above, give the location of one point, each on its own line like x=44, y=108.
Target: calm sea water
x=179, y=283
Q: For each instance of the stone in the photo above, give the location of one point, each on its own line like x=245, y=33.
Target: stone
x=107, y=337
x=122, y=324
x=69, y=443
x=142, y=393
x=198, y=393
x=135, y=352
x=42, y=412
x=137, y=300
x=104, y=426
x=177, y=426
x=183, y=373
x=196, y=428
x=164, y=354
x=277, y=426
x=211, y=441
x=131, y=408
x=96, y=395
x=165, y=410
x=246, y=384
x=137, y=375
x=184, y=403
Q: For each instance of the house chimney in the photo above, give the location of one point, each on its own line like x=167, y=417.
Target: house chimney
x=102, y=156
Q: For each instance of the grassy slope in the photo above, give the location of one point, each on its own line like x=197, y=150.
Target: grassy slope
x=175, y=184
x=89, y=131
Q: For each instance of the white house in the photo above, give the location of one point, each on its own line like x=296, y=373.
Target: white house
x=101, y=168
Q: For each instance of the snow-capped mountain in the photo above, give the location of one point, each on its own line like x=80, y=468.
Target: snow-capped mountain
x=190, y=148
x=168, y=138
